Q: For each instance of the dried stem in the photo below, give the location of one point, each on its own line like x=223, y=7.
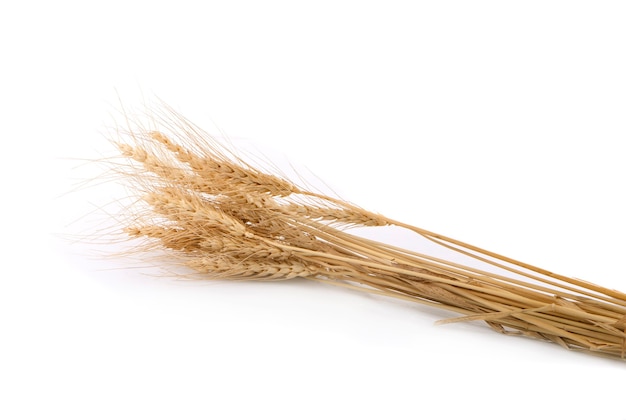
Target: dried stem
x=225, y=218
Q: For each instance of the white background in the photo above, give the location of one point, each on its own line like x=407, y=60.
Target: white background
x=497, y=123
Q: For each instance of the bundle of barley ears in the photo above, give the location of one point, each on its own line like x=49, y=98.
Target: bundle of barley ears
x=227, y=219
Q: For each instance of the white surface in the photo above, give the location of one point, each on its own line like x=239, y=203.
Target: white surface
x=497, y=123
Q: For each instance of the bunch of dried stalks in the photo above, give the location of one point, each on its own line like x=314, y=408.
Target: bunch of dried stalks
x=228, y=219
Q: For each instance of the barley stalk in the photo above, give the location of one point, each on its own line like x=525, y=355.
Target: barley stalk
x=227, y=219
